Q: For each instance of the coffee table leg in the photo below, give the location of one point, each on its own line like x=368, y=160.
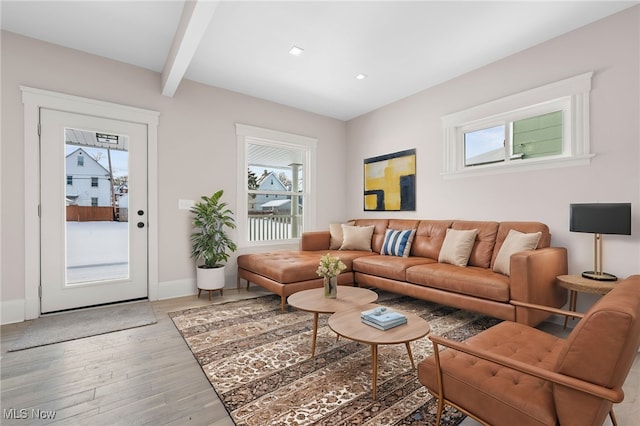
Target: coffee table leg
x=315, y=334
x=408, y=345
x=374, y=363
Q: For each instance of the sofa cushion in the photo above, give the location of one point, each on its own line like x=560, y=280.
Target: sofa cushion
x=429, y=238
x=391, y=267
x=290, y=266
x=482, y=252
x=515, y=242
x=471, y=281
x=397, y=243
x=380, y=228
x=457, y=246
x=356, y=237
x=335, y=230
x=524, y=227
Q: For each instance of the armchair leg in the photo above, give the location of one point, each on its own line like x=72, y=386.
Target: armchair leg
x=440, y=409
x=436, y=354
x=613, y=417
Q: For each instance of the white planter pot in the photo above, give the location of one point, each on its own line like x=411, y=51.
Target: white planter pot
x=210, y=279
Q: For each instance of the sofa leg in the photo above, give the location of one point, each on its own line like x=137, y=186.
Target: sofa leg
x=283, y=303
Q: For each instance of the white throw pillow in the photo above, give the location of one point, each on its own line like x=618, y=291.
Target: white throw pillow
x=457, y=246
x=515, y=242
x=356, y=237
x=335, y=230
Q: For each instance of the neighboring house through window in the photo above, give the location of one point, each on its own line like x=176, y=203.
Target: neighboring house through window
x=539, y=128
x=276, y=197
x=83, y=181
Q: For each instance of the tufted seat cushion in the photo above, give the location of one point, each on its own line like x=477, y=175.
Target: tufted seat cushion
x=481, y=386
x=391, y=267
x=291, y=266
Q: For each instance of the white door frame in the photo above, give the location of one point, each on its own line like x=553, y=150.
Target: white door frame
x=34, y=99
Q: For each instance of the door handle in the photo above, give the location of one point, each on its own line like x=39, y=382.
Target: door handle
x=140, y=224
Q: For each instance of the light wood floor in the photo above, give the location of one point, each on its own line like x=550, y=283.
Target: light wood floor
x=144, y=375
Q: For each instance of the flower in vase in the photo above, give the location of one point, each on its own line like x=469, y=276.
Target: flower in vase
x=330, y=266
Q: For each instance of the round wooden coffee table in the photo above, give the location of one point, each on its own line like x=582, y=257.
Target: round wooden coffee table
x=314, y=301
x=348, y=324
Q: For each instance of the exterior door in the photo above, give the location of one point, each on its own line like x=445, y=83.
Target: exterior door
x=93, y=198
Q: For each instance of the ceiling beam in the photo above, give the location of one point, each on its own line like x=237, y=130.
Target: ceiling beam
x=195, y=19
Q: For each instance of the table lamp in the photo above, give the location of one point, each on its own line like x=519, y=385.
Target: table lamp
x=598, y=219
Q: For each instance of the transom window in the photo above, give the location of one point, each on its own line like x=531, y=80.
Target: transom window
x=543, y=127
x=533, y=137
x=277, y=196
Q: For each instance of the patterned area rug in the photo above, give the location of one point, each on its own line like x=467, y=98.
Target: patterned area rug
x=258, y=361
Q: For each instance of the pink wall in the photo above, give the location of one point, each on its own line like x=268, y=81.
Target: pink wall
x=611, y=49
x=196, y=143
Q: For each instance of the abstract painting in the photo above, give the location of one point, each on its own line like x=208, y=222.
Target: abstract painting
x=390, y=182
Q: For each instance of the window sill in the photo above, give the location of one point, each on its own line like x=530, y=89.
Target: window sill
x=519, y=166
x=276, y=245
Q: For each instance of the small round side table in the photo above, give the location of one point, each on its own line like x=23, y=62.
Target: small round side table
x=577, y=283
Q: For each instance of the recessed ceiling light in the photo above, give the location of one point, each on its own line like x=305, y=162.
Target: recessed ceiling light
x=361, y=76
x=296, y=51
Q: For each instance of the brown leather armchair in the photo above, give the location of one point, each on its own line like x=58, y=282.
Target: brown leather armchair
x=515, y=374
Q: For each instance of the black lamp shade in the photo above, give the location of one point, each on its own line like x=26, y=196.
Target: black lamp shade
x=601, y=218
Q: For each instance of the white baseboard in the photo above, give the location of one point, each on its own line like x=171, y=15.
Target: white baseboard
x=186, y=287
x=176, y=288
x=12, y=311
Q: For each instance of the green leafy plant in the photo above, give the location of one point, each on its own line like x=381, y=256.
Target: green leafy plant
x=210, y=240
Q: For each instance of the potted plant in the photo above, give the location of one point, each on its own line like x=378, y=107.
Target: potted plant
x=210, y=241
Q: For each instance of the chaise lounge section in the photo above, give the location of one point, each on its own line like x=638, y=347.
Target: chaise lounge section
x=486, y=282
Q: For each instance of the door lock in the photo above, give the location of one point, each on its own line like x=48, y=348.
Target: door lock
x=140, y=224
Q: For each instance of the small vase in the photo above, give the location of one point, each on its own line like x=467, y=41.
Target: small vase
x=330, y=287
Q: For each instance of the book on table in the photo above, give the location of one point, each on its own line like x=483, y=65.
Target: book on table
x=383, y=318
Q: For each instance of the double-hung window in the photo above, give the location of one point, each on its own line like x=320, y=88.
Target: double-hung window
x=540, y=128
x=276, y=196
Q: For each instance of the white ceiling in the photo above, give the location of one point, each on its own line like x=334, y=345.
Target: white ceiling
x=403, y=47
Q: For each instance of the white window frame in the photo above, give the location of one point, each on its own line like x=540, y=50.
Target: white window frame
x=571, y=96
x=245, y=135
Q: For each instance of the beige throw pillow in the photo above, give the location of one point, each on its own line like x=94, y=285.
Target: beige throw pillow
x=356, y=237
x=335, y=230
x=515, y=242
x=457, y=246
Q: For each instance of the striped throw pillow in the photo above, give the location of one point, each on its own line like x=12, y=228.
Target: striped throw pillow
x=397, y=243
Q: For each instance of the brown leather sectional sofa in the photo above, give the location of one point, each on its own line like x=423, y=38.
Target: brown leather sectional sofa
x=476, y=286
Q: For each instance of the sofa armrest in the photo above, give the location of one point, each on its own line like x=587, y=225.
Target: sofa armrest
x=533, y=280
x=315, y=241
